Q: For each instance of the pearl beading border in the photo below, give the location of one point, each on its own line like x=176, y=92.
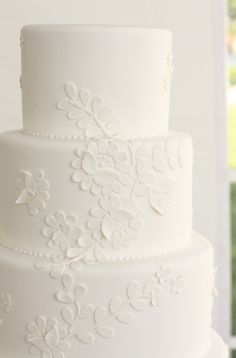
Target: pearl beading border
x=160, y=254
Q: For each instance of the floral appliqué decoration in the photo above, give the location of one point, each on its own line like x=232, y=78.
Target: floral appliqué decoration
x=85, y=321
x=93, y=118
x=33, y=191
x=5, y=304
x=113, y=223
x=101, y=167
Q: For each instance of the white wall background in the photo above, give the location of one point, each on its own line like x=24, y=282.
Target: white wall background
x=198, y=90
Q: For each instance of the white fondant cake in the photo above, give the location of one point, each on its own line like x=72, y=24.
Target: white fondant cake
x=97, y=254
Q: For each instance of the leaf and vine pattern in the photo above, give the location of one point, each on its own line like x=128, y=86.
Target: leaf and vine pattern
x=133, y=169
x=84, y=321
x=93, y=118
x=112, y=224
x=5, y=304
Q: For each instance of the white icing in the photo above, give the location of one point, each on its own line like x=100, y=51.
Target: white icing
x=129, y=67
x=124, y=193
x=96, y=205
x=166, y=292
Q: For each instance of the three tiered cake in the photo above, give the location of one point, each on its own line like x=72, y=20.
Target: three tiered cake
x=97, y=256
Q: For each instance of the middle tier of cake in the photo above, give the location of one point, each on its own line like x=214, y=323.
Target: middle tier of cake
x=114, y=198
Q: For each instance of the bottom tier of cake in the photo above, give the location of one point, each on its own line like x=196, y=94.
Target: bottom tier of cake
x=156, y=307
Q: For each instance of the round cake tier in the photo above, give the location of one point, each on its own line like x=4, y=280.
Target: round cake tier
x=113, y=77
x=140, y=308
x=95, y=198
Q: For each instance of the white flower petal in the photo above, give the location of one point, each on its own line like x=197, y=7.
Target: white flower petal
x=104, y=204
x=97, y=233
x=39, y=204
x=89, y=163
x=78, y=176
x=93, y=223
x=85, y=97
x=86, y=182
x=76, y=164
x=97, y=212
x=95, y=189
x=71, y=90
x=97, y=104
x=107, y=114
x=29, y=181
x=25, y=197
x=43, y=185
x=52, y=337
x=60, y=217
x=51, y=221
x=107, y=227
x=32, y=209
x=104, y=177
x=64, y=103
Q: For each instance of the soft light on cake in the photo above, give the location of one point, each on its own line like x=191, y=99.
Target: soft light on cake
x=98, y=257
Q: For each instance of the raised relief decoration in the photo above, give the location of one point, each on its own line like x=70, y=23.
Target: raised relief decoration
x=134, y=169
x=113, y=223
x=33, y=191
x=48, y=338
x=5, y=305
x=92, y=117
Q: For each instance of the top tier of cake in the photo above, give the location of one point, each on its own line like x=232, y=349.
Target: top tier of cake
x=107, y=76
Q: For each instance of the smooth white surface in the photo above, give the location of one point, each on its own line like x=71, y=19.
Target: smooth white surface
x=168, y=231
x=183, y=320
x=129, y=67
x=219, y=348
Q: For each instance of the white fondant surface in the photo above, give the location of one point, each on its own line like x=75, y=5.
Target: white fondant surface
x=219, y=348
x=151, y=180
x=97, y=258
x=129, y=67
x=144, y=304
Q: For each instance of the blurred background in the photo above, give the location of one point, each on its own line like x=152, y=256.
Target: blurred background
x=203, y=103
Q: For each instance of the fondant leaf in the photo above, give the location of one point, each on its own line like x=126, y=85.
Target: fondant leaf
x=67, y=315
x=52, y=337
x=105, y=332
x=71, y=91
x=139, y=305
x=64, y=297
x=87, y=338
x=67, y=282
x=64, y=103
x=84, y=96
x=25, y=197
x=86, y=311
x=125, y=317
x=80, y=292
x=89, y=163
x=99, y=314
x=97, y=104
x=133, y=289
x=107, y=227
x=115, y=304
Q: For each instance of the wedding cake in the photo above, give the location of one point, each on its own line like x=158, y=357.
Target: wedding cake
x=97, y=256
